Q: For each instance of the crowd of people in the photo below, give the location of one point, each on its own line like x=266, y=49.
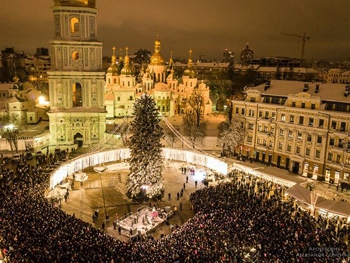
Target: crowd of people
x=246, y=218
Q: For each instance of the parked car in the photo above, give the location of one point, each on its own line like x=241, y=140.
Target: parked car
x=16, y=158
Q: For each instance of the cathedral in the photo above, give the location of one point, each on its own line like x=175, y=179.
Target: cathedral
x=158, y=79
x=83, y=96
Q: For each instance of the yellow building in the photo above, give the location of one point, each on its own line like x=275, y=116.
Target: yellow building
x=158, y=79
x=336, y=75
x=301, y=127
x=76, y=80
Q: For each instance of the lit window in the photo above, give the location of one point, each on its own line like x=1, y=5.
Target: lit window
x=283, y=117
x=291, y=118
x=290, y=134
x=300, y=135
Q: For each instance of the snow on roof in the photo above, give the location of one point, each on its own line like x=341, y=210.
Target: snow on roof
x=267, y=69
x=244, y=67
x=205, y=64
x=32, y=94
x=345, y=73
x=109, y=96
x=287, y=69
x=161, y=87
x=212, y=64
x=327, y=91
x=13, y=99
x=6, y=86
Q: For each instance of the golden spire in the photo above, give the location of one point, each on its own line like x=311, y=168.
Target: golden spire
x=114, y=58
x=157, y=58
x=190, y=58
x=127, y=69
x=88, y=3
x=113, y=67
x=120, y=54
x=127, y=56
x=189, y=71
x=171, y=58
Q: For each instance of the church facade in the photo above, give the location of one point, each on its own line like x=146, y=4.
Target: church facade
x=77, y=112
x=158, y=79
x=83, y=96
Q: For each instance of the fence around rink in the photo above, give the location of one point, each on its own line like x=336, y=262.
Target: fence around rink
x=262, y=175
x=97, y=158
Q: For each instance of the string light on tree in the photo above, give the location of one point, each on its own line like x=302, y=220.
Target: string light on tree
x=146, y=164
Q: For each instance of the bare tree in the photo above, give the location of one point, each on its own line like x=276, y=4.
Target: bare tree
x=123, y=130
x=192, y=128
x=231, y=135
x=169, y=135
x=196, y=105
x=193, y=120
x=10, y=133
x=11, y=129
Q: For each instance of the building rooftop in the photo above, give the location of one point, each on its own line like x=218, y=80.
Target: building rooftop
x=327, y=91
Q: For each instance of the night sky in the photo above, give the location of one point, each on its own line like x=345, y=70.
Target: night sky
x=207, y=27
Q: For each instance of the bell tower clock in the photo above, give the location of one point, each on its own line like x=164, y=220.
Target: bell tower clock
x=76, y=81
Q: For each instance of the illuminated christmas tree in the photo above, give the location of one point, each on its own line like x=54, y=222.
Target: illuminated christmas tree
x=146, y=164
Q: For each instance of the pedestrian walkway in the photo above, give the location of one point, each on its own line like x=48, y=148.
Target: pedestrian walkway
x=106, y=191
x=323, y=189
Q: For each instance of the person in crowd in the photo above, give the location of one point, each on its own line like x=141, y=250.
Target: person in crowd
x=247, y=215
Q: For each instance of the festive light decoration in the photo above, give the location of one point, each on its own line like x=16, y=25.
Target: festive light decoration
x=92, y=159
x=146, y=165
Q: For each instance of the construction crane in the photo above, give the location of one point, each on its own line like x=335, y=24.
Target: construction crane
x=303, y=37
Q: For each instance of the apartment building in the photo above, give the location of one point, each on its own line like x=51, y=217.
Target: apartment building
x=301, y=127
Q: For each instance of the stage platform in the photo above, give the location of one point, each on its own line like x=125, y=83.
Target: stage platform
x=144, y=220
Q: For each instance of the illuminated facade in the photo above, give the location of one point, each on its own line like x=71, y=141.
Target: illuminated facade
x=158, y=80
x=76, y=80
x=304, y=128
x=336, y=75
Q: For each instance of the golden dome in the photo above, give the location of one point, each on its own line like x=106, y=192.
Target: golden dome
x=157, y=59
x=113, y=67
x=88, y=3
x=127, y=69
x=189, y=71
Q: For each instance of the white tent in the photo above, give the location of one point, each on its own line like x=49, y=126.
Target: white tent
x=339, y=208
x=300, y=193
x=304, y=195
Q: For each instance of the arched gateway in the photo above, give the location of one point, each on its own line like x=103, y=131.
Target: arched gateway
x=94, y=159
